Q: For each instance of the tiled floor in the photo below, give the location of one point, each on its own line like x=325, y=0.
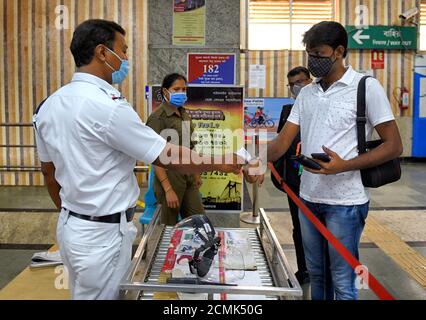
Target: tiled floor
x=397, y=282
x=12, y=262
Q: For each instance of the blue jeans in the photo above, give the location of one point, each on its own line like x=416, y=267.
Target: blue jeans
x=331, y=276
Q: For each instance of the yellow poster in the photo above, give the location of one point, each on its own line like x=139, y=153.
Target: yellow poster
x=217, y=113
x=189, y=22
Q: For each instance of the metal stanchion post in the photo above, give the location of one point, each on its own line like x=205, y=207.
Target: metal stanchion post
x=253, y=217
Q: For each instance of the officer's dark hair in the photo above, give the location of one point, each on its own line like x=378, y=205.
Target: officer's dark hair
x=298, y=70
x=328, y=33
x=88, y=35
x=169, y=80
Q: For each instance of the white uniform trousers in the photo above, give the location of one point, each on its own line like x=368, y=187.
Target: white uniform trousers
x=96, y=255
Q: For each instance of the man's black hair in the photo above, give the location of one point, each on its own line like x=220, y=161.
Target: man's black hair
x=170, y=79
x=298, y=70
x=328, y=33
x=88, y=35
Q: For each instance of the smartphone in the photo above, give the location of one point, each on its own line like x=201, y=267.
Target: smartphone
x=307, y=162
x=321, y=156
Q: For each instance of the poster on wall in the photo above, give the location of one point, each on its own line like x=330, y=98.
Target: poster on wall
x=263, y=113
x=422, y=106
x=217, y=113
x=211, y=68
x=189, y=22
x=420, y=64
x=257, y=76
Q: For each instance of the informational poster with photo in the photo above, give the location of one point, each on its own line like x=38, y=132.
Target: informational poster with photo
x=217, y=113
x=263, y=113
x=189, y=22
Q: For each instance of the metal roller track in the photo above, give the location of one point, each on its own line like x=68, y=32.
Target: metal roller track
x=160, y=257
x=277, y=278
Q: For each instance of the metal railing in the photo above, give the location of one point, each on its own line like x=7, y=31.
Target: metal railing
x=17, y=124
x=18, y=168
x=32, y=168
x=138, y=169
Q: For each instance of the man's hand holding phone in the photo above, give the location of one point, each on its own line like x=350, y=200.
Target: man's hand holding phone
x=329, y=162
x=307, y=162
x=324, y=157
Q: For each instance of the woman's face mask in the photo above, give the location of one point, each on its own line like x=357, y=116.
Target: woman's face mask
x=177, y=99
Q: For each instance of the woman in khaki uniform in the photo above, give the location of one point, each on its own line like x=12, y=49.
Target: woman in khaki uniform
x=176, y=192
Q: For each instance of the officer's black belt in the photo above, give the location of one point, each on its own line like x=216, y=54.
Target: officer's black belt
x=112, y=218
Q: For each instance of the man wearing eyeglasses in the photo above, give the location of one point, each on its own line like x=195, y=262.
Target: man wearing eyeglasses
x=298, y=78
x=290, y=170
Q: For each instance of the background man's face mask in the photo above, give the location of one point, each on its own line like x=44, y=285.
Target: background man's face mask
x=118, y=76
x=320, y=67
x=295, y=90
x=177, y=99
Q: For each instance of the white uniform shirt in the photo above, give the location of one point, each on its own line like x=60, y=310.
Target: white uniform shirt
x=94, y=137
x=329, y=119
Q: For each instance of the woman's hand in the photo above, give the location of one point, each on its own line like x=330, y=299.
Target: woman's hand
x=172, y=199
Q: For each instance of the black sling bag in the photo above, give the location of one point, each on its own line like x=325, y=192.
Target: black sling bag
x=385, y=173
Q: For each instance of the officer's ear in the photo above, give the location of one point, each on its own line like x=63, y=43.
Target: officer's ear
x=100, y=53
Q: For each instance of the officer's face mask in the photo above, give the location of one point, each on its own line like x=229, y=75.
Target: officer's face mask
x=118, y=76
x=320, y=67
x=177, y=99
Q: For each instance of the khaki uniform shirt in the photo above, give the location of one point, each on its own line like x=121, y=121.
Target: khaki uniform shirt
x=168, y=117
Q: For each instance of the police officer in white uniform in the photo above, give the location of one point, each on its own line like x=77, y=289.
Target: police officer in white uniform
x=88, y=139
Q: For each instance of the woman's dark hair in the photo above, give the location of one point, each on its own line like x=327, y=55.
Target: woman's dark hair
x=169, y=80
x=88, y=35
x=298, y=70
x=328, y=33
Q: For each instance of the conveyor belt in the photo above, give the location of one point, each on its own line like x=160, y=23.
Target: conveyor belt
x=144, y=276
x=262, y=265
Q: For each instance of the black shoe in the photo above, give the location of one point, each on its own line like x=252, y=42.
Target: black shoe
x=302, y=277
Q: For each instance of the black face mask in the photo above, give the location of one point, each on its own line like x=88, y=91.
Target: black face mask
x=320, y=67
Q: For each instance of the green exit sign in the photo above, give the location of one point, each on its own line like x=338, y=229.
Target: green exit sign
x=382, y=37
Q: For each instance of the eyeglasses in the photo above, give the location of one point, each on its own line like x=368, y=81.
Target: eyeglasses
x=299, y=82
